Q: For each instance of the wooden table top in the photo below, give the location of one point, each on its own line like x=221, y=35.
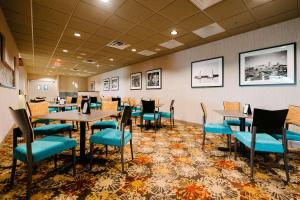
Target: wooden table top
x=237, y=114
x=55, y=105
x=157, y=105
x=74, y=115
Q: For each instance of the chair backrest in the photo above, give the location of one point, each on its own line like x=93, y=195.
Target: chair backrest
x=118, y=99
x=267, y=121
x=204, y=112
x=132, y=102
x=68, y=99
x=74, y=100
x=21, y=118
x=109, y=106
x=38, y=108
x=93, y=99
x=79, y=99
x=148, y=106
x=293, y=116
x=156, y=101
x=231, y=106
x=125, y=100
x=106, y=98
x=126, y=117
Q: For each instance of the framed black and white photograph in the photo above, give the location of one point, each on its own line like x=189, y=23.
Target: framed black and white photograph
x=92, y=85
x=106, y=84
x=153, y=79
x=136, y=81
x=115, y=83
x=268, y=66
x=207, y=73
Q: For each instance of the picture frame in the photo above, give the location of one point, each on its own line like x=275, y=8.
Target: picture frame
x=207, y=73
x=92, y=85
x=268, y=66
x=106, y=84
x=154, y=79
x=136, y=81
x=114, y=83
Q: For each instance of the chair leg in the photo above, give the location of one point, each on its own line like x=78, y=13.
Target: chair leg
x=249, y=128
x=74, y=160
x=171, y=122
x=29, y=181
x=87, y=124
x=155, y=123
x=122, y=158
x=70, y=133
x=229, y=144
x=91, y=155
x=106, y=150
x=203, y=141
x=92, y=131
x=286, y=166
x=252, y=163
x=235, y=148
x=55, y=161
x=131, y=149
x=13, y=171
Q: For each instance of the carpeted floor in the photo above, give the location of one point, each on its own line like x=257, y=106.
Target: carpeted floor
x=167, y=165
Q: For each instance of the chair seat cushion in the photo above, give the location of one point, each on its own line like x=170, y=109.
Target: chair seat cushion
x=235, y=122
x=150, y=116
x=45, y=148
x=51, y=110
x=51, y=129
x=290, y=135
x=264, y=142
x=95, y=105
x=135, y=113
x=70, y=108
x=43, y=121
x=110, y=137
x=105, y=124
x=166, y=114
x=217, y=128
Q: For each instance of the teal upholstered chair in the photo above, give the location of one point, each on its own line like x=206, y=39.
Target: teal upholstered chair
x=33, y=151
x=136, y=111
x=107, y=106
x=234, y=106
x=213, y=128
x=41, y=108
x=114, y=137
x=265, y=124
x=95, y=104
x=169, y=115
x=149, y=114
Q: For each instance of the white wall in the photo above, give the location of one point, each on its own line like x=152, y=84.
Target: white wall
x=176, y=75
x=8, y=97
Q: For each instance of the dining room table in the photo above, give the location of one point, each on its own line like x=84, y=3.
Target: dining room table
x=236, y=114
x=62, y=107
x=76, y=116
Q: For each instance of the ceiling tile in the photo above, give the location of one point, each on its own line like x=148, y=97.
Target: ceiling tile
x=195, y=22
x=179, y=10
x=157, y=23
x=128, y=39
x=62, y=6
x=17, y=18
x=243, y=29
x=180, y=31
x=189, y=38
x=100, y=41
x=226, y=9
x=118, y=24
x=133, y=11
x=254, y=3
x=157, y=39
x=70, y=33
x=91, y=13
x=237, y=20
x=279, y=18
x=50, y=15
x=156, y=4
x=107, y=32
x=82, y=25
x=22, y=7
x=110, y=6
x=274, y=8
x=140, y=32
x=47, y=26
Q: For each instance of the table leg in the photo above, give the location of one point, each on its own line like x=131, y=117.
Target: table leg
x=82, y=140
x=242, y=124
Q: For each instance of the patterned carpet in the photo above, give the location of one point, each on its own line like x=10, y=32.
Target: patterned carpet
x=167, y=165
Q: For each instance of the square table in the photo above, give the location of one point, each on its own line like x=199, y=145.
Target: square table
x=236, y=114
x=62, y=106
x=73, y=116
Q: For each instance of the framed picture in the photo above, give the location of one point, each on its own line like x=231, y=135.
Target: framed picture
x=114, y=83
x=153, y=79
x=136, y=81
x=106, y=83
x=269, y=66
x=92, y=85
x=207, y=73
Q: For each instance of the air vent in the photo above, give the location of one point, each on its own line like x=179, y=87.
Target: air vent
x=203, y=4
x=209, y=30
x=171, y=44
x=118, y=45
x=89, y=61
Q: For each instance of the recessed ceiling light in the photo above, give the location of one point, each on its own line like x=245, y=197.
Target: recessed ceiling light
x=105, y=1
x=58, y=60
x=157, y=49
x=83, y=54
x=134, y=50
x=203, y=4
x=111, y=59
x=77, y=34
x=173, y=32
x=97, y=65
x=79, y=57
x=65, y=51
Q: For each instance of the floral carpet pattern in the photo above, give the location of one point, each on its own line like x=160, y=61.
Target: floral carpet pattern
x=168, y=164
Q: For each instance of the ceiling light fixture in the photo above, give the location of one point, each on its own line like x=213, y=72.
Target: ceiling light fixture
x=157, y=49
x=97, y=65
x=77, y=34
x=58, y=60
x=134, y=50
x=111, y=59
x=83, y=54
x=65, y=51
x=105, y=1
x=79, y=57
x=173, y=32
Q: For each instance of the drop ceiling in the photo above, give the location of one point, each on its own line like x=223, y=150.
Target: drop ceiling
x=143, y=24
